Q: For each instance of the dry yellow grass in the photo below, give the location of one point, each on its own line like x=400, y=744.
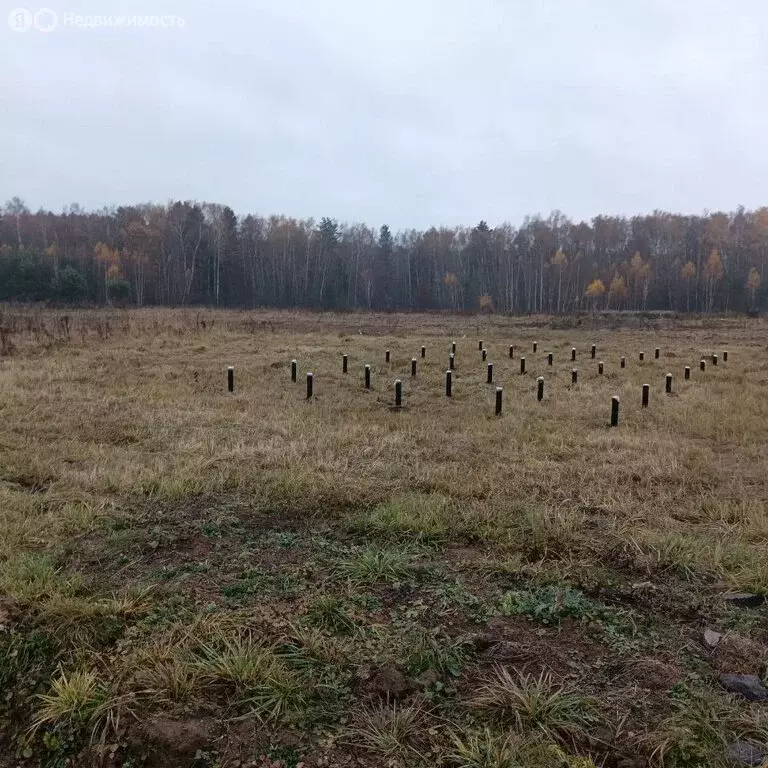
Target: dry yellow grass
x=127, y=418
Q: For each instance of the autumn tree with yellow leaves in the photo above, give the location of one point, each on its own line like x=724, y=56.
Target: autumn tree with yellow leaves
x=595, y=290
x=687, y=273
x=617, y=291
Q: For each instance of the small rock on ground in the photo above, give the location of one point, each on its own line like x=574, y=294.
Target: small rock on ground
x=711, y=638
x=748, y=686
x=744, y=599
x=747, y=753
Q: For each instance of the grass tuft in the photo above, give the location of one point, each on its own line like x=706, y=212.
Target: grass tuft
x=375, y=566
x=79, y=700
x=484, y=750
x=392, y=733
x=426, y=518
x=240, y=661
x=167, y=674
x=429, y=650
x=537, y=703
x=280, y=695
x=328, y=612
x=31, y=577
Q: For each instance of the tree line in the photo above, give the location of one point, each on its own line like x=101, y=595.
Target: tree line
x=189, y=253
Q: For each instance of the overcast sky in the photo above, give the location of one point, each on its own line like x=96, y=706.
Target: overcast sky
x=407, y=112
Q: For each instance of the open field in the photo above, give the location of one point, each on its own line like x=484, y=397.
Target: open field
x=193, y=578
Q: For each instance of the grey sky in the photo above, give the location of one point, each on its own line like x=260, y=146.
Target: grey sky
x=408, y=113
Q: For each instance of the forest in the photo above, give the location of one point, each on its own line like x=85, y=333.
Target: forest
x=188, y=253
